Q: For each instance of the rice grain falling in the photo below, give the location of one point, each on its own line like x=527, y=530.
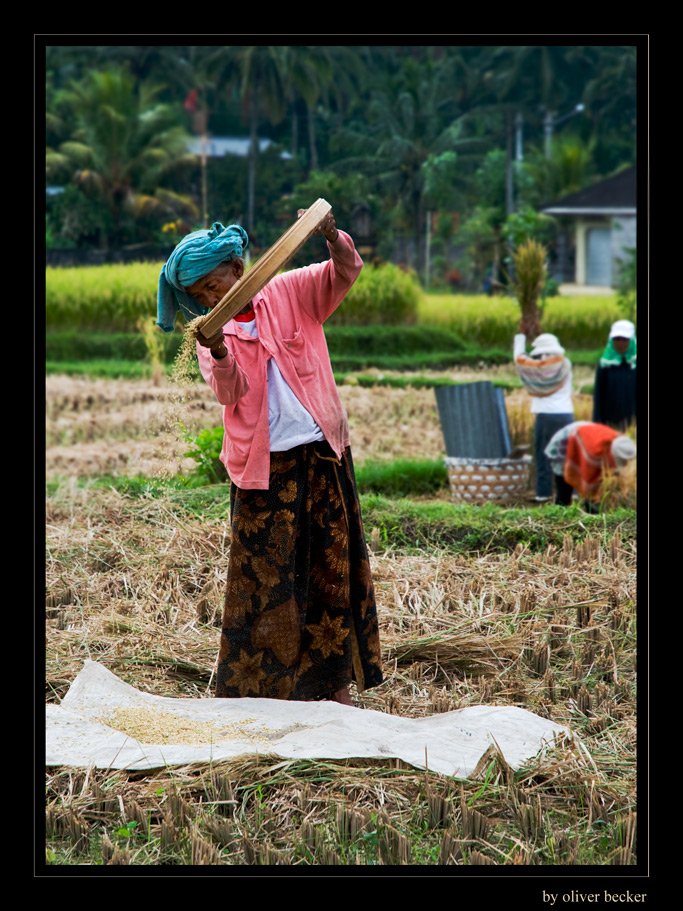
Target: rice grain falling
x=156, y=727
x=184, y=373
x=185, y=366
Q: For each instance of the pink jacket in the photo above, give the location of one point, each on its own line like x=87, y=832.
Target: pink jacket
x=290, y=311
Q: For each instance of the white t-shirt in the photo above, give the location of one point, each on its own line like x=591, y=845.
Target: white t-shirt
x=289, y=422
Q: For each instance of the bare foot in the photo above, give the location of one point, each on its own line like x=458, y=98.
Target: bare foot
x=342, y=696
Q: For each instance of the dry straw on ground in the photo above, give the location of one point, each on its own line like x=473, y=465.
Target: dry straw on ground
x=131, y=587
x=130, y=427
x=137, y=584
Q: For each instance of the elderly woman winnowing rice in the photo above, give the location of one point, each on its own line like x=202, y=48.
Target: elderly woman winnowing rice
x=299, y=619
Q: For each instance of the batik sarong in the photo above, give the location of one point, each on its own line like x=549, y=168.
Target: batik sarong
x=300, y=620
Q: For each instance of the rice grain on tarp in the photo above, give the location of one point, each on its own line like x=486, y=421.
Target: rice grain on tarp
x=153, y=726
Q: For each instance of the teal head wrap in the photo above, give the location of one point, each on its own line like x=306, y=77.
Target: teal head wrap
x=196, y=255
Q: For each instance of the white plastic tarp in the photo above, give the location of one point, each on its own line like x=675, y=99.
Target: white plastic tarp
x=79, y=732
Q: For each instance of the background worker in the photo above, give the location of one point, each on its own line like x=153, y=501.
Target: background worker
x=614, y=394
x=300, y=618
x=581, y=453
x=546, y=375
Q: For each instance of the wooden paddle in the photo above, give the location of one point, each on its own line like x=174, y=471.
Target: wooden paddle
x=263, y=270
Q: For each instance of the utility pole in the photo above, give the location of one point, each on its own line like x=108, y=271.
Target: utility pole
x=519, y=125
x=428, y=239
x=550, y=122
x=205, y=216
x=509, y=183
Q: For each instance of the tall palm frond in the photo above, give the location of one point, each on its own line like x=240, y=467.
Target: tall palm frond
x=123, y=141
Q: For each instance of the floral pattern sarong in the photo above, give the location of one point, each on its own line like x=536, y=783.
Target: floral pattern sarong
x=300, y=620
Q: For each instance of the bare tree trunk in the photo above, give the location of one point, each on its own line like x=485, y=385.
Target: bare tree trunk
x=497, y=256
x=420, y=235
x=251, y=170
x=312, y=147
x=509, y=186
x=294, y=144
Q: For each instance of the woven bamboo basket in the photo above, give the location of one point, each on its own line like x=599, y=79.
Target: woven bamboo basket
x=488, y=480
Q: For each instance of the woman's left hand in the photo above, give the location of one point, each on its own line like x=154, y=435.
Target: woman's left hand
x=327, y=226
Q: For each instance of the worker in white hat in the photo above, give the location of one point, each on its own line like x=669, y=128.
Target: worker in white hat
x=614, y=392
x=546, y=374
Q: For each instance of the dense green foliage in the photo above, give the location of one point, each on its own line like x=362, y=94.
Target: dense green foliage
x=385, y=295
x=367, y=345
x=402, y=477
x=122, y=145
x=403, y=131
x=103, y=368
x=405, y=523
x=113, y=297
x=397, y=478
x=125, y=354
x=384, y=341
x=117, y=298
x=75, y=345
x=418, y=380
x=100, y=319
x=580, y=322
x=205, y=449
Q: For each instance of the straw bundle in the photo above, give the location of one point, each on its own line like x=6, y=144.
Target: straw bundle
x=529, y=279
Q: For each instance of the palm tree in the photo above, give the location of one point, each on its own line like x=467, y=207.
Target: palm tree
x=123, y=144
x=309, y=74
x=609, y=95
x=411, y=136
x=569, y=168
x=318, y=74
x=535, y=81
x=256, y=73
x=535, y=77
